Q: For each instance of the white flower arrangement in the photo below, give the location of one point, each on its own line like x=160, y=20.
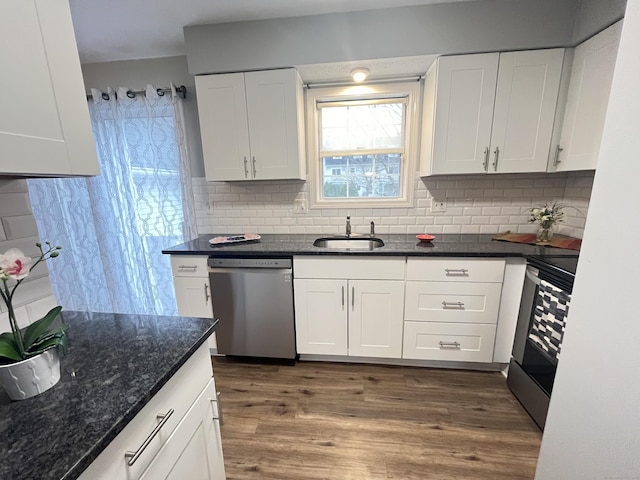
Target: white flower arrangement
x=547, y=215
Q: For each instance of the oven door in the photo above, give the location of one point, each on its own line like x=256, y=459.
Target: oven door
x=538, y=336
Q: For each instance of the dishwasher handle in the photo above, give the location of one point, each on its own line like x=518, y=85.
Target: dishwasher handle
x=217, y=270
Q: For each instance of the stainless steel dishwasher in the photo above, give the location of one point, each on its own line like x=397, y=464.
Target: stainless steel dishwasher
x=253, y=299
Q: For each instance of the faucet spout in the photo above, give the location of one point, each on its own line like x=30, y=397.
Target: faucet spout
x=373, y=229
x=348, y=227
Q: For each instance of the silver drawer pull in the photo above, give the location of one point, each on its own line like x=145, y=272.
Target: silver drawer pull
x=458, y=305
x=188, y=267
x=449, y=344
x=220, y=418
x=206, y=293
x=457, y=271
x=133, y=456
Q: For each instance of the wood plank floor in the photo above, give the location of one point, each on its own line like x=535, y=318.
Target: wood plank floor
x=359, y=422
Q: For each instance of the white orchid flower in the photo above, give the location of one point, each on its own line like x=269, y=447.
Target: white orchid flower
x=14, y=264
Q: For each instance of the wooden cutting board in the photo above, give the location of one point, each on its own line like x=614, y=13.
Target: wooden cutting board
x=559, y=241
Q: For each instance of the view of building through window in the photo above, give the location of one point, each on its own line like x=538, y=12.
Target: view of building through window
x=362, y=143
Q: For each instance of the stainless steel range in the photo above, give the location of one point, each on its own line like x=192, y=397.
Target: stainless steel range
x=544, y=310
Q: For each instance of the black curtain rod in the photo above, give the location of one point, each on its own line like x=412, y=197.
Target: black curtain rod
x=181, y=90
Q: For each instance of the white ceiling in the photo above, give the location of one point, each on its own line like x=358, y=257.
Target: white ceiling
x=134, y=29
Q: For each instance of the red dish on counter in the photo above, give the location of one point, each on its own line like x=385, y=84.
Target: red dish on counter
x=425, y=237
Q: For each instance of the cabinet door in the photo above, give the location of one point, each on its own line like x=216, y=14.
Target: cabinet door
x=194, y=449
x=587, y=100
x=375, y=318
x=222, y=108
x=525, y=105
x=44, y=126
x=464, y=110
x=321, y=316
x=274, y=105
x=193, y=296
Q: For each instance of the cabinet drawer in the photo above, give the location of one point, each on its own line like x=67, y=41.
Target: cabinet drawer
x=458, y=342
x=178, y=394
x=189, y=266
x=386, y=268
x=455, y=269
x=452, y=302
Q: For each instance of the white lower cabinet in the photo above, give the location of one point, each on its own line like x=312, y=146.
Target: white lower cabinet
x=193, y=292
x=460, y=342
x=451, y=309
x=194, y=450
x=357, y=316
x=176, y=435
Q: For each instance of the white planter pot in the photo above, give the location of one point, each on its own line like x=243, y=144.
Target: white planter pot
x=32, y=376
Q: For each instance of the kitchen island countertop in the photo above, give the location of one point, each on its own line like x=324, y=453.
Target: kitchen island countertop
x=274, y=245
x=115, y=364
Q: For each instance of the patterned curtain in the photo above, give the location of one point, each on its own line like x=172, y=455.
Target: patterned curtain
x=113, y=227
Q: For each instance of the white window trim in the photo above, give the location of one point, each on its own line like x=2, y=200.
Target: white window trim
x=390, y=90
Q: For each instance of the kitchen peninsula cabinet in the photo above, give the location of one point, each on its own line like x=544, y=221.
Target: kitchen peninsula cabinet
x=44, y=126
x=587, y=101
x=490, y=113
x=358, y=313
x=184, y=413
x=252, y=125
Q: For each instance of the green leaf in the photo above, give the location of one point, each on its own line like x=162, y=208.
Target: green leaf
x=57, y=339
x=40, y=327
x=9, y=347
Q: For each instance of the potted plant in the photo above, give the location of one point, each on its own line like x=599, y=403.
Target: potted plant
x=29, y=357
x=547, y=216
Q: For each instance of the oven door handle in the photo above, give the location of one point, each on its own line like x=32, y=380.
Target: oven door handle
x=532, y=276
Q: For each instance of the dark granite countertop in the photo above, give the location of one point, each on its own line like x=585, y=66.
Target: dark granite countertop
x=115, y=364
x=276, y=245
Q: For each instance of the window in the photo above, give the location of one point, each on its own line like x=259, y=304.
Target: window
x=363, y=147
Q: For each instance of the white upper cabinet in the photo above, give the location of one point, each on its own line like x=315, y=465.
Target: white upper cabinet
x=252, y=125
x=44, y=119
x=587, y=101
x=490, y=112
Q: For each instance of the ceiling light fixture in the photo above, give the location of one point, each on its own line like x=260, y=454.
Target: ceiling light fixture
x=359, y=74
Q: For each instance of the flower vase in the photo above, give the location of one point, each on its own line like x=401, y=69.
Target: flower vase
x=544, y=235
x=32, y=376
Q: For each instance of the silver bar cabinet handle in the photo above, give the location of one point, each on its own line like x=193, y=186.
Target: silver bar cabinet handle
x=255, y=171
x=456, y=271
x=485, y=164
x=188, y=267
x=495, y=159
x=556, y=159
x=246, y=169
x=220, y=418
x=459, y=305
x=343, y=298
x=134, y=456
x=449, y=344
x=353, y=297
x=206, y=292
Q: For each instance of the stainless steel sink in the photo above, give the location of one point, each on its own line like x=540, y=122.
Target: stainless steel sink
x=363, y=243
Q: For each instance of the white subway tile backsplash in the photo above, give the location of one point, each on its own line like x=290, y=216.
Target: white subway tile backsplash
x=475, y=204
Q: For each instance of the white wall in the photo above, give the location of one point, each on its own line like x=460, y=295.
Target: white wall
x=593, y=426
x=595, y=15
x=461, y=27
x=34, y=298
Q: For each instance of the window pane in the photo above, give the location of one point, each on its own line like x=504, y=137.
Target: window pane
x=354, y=127
x=361, y=176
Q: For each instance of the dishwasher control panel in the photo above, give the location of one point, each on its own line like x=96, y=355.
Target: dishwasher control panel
x=279, y=263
